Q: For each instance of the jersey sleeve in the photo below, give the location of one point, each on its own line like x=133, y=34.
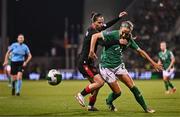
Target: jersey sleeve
x=11, y=47
x=27, y=50
x=133, y=45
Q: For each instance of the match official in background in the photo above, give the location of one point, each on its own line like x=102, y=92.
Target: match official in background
x=19, y=50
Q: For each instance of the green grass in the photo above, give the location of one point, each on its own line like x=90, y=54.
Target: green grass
x=40, y=99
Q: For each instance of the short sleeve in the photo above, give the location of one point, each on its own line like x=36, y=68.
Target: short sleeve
x=11, y=47
x=27, y=49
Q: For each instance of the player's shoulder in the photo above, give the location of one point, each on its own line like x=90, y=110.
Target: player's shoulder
x=169, y=51
x=114, y=32
x=25, y=45
x=90, y=31
x=15, y=43
x=159, y=53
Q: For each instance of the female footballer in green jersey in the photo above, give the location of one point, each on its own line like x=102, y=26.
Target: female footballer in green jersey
x=112, y=66
x=87, y=67
x=167, y=59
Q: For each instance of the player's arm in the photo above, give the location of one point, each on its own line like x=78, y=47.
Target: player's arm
x=159, y=61
x=29, y=57
x=94, y=39
x=100, y=37
x=6, y=58
x=112, y=22
x=172, y=61
x=157, y=66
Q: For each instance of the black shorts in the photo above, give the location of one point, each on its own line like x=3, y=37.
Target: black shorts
x=87, y=70
x=16, y=67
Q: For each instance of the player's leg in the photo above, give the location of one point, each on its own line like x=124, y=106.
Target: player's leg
x=9, y=76
x=170, y=74
x=92, y=100
x=127, y=80
x=110, y=78
x=13, y=76
x=18, y=83
x=7, y=70
x=96, y=83
x=113, y=95
x=166, y=83
x=20, y=70
x=173, y=88
x=95, y=79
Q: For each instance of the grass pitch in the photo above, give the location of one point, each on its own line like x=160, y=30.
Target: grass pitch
x=38, y=98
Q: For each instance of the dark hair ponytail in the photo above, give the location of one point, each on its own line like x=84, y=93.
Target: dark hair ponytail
x=94, y=16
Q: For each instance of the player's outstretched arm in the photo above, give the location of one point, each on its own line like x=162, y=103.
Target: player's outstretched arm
x=158, y=67
x=112, y=22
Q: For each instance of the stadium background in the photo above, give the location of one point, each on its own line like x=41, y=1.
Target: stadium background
x=54, y=32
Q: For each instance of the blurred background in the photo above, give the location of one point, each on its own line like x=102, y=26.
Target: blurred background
x=54, y=31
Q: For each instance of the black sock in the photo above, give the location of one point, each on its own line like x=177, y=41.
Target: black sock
x=13, y=84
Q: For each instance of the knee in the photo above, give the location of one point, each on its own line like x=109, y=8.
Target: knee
x=101, y=83
x=165, y=79
x=117, y=93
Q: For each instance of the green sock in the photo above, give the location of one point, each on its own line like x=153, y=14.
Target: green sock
x=139, y=97
x=170, y=84
x=166, y=85
x=9, y=79
x=112, y=96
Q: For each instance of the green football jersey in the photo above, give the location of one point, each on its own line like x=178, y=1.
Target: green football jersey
x=165, y=58
x=112, y=57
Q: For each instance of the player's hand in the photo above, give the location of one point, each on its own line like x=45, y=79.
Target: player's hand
x=158, y=67
x=92, y=55
x=24, y=64
x=124, y=13
x=5, y=63
x=123, y=41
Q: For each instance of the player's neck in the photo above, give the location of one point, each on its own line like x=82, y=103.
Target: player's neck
x=20, y=43
x=164, y=51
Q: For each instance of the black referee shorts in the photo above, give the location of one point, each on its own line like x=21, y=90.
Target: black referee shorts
x=16, y=67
